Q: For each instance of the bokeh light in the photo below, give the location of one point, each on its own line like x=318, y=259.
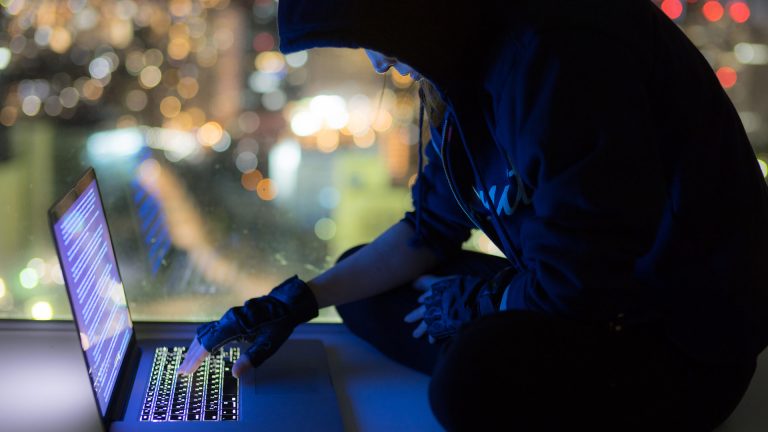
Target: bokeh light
x=69, y=97
x=727, y=76
x=42, y=311
x=332, y=109
x=134, y=62
x=325, y=229
x=29, y=278
x=170, y=106
x=92, y=89
x=38, y=264
x=713, y=11
x=224, y=143
x=327, y=140
x=249, y=121
x=31, y=105
x=266, y=189
x=739, y=11
x=751, y=53
x=187, y=87
x=61, y=40
x=366, y=139
x=763, y=167
x=8, y=116
x=305, y=123
x=673, y=8
x=210, y=133
x=246, y=162
x=153, y=57
x=5, y=57
x=178, y=49
x=383, y=121
x=274, y=100
x=52, y=106
x=297, y=59
x=99, y=68
x=270, y=61
x=150, y=77
x=250, y=180
x=264, y=82
x=136, y=100
x=263, y=41
x=56, y=275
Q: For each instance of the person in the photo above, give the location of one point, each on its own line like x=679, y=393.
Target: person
x=592, y=142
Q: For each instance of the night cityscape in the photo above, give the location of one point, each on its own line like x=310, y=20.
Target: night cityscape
x=226, y=166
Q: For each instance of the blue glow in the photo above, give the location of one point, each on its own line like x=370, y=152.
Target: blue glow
x=115, y=144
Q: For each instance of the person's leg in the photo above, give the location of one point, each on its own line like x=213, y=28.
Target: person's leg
x=526, y=371
x=379, y=320
x=518, y=371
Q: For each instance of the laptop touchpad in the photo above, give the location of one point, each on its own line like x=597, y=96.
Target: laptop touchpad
x=299, y=366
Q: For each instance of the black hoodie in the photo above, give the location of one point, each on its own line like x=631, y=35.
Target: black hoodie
x=591, y=141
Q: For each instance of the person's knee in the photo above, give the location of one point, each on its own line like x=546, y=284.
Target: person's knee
x=462, y=393
x=496, y=372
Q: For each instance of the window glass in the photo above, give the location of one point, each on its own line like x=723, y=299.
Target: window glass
x=225, y=166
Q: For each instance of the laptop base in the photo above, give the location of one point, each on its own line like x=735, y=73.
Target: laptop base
x=291, y=391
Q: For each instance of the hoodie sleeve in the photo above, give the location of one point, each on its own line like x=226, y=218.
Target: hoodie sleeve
x=443, y=225
x=578, y=126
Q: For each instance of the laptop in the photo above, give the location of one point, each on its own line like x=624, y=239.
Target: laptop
x=134, y=381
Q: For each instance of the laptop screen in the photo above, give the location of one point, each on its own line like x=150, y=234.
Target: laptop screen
x=94, y=285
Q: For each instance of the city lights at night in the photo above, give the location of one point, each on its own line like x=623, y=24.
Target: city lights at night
x=189, y=103
x=392, y=215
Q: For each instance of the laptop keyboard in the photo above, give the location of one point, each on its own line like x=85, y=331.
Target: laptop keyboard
x=210, y=394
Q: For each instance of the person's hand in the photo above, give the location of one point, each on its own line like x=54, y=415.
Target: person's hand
x=450, y=302
x=424, y=284
x=266, y=322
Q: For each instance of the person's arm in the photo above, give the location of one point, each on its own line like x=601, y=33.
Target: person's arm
x=387, y=262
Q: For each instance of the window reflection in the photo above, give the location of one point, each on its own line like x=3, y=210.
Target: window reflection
x=226, y=166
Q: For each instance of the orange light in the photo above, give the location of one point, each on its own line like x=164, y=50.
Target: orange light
x=210, y=133
x=266, y=189
x=251, y=180
x=727, y=76
x=739, y=12
x=713, y=11
x=170, y=106
x=673, y=8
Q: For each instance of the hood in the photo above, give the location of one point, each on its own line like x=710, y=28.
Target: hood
x=446, y=41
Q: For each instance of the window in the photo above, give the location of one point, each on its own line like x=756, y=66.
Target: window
x=225, y=166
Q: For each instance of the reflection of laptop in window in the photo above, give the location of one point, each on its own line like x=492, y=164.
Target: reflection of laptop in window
x=135, y=382
x=169, y=269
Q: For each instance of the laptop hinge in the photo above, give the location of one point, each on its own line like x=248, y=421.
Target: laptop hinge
x=124, y=384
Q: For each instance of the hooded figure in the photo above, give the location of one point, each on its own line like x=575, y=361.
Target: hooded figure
x=592, y=142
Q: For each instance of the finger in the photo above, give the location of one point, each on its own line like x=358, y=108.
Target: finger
x=415, y=314
x=189, y=356
x=241, y=366
x=420, y=330
x=423, y=297
x=195, y=357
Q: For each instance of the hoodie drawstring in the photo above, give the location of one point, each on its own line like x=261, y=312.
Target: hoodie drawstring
x=417, y=238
